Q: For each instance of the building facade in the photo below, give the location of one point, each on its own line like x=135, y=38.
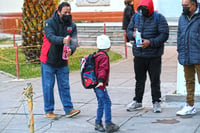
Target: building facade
x=85, y=11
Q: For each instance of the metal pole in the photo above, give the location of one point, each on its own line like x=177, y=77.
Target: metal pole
x=16, y=55
x=104, y=29
x=125, y=44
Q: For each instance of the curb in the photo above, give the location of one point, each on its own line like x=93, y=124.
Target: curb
x=179, y=98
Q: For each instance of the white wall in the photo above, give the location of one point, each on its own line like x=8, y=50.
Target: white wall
x=11, y=6
x=115, y=5
x=169, y=8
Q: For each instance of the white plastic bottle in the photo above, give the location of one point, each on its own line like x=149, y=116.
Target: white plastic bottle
x=138, y=39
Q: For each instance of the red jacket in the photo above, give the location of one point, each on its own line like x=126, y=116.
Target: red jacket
x=102, y=68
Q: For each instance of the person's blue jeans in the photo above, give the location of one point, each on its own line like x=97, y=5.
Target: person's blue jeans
x=104, y=105
x=48, y=80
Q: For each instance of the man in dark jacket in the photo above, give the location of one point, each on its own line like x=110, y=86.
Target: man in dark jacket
x=58, y=31
x=147, y=58
x=188, y=47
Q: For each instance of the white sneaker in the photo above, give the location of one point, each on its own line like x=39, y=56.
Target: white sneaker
x=157, y=107
x=129, y=44
x=133, y=106
x=186, y=110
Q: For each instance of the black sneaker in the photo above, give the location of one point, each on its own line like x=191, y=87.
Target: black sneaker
x=99, y=127
x=110, y=128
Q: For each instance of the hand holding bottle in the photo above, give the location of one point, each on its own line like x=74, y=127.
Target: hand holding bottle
x=145, y=43
x=66, y=40
x=134, y=33
x=66, y=48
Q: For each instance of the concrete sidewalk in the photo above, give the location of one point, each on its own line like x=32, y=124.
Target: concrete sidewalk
x=121, y=90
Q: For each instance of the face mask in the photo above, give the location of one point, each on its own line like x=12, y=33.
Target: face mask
x=186, y=11
x=144, y=12
x=67, y=18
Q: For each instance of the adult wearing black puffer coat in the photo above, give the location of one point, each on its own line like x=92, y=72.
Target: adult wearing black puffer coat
x=147, y=58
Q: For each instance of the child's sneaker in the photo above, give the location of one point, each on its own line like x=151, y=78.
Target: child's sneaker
x=157, y=107
x=110, y=128
x=186, y=110
x=134, y=105
x=99, y=127
x=72, y=113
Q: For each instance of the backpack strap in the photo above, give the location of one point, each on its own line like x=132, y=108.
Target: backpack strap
x=95, y=54
x=156, y=17
x=136, y=16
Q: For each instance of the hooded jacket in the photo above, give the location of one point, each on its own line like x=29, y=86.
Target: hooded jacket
x=152, y=29
x=188, y=42
x=54, y=32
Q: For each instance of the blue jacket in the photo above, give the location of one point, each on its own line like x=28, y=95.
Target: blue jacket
x=54, y=32
x=188, y=42
x=156, y=30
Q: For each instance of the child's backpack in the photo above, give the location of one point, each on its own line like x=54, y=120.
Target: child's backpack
x=87, y=66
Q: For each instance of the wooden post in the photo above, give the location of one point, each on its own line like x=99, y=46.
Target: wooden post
x=28, y=92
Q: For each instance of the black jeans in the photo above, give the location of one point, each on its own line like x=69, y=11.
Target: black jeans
x=153, y=67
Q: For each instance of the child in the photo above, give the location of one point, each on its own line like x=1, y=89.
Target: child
x=102, y=69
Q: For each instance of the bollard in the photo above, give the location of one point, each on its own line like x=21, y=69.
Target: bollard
x=104, y=29
x=16, y=55
x=28, y=92
x=125, y=44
